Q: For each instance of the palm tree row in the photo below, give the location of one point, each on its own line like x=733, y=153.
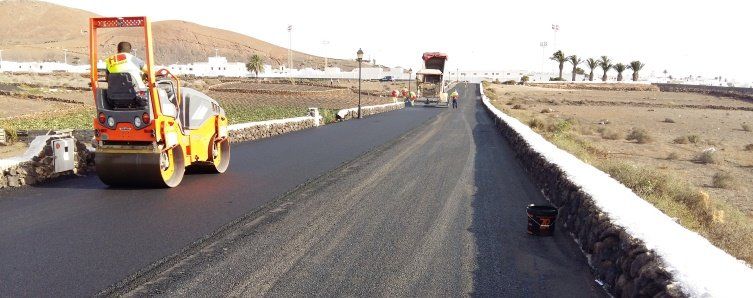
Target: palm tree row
x=604, y=63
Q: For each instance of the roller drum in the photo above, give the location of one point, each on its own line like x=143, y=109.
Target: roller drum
x=139, y=169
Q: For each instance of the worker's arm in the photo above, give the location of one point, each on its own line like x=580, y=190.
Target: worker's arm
x=140, y=63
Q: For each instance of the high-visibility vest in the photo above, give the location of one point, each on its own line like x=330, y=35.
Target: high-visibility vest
x=454, y=95
x=124, y=63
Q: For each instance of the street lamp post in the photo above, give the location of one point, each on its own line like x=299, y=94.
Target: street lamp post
x=543, y=45
x=290, y=48
x=555, y=28
x=325, y=43
x=359, y=59
x=410, y=78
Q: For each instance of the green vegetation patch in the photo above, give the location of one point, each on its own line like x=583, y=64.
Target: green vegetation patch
x=77, y=119
x=241, y=113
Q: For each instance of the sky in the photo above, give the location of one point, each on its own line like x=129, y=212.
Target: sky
x=707, y=38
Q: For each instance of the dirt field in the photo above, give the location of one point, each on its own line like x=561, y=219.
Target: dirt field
x=386, y=87
x=718, y=122
x=32, y=101
x=12, y=150
x=338, y=101
x=689, y=154
x=46, y=80
x=298, y=95
x=13, y=106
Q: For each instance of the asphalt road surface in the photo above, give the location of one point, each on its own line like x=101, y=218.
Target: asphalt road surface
x=75, y=237
x=438, y=212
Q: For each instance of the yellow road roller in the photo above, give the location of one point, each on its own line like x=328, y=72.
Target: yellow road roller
x=148, y=129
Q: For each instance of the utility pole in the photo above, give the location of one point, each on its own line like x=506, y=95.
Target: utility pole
x=216, y=52
x=543, y=45
x=1, y=59
x=290, y=49
x=325, y=43
x=65, y=56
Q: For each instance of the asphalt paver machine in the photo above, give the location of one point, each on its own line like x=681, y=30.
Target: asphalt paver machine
x=431, y=84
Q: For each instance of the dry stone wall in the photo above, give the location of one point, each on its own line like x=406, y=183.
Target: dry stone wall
x=263, y=130
x=622, y=262
x=626, y=86
x=734, y=92
x=41, y=166
x=352, y=113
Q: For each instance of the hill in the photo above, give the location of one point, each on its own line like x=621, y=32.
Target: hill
x=39, y=31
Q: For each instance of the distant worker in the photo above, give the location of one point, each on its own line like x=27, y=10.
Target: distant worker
x=454, y=96
x=125, y=62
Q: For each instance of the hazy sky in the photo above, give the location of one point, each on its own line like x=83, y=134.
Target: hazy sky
x=707, y=38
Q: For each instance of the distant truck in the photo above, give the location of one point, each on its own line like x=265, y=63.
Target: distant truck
x=431, y=80
x=387, y=79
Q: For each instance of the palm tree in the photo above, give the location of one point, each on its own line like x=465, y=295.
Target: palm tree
x=574, y=60
x=636, y=66
x=582, y=72
x=592, y=64
x=619, y=67
x=560, y=58
x=255, y=65
x=605, y=63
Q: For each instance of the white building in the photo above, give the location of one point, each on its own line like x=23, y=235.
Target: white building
x=214, y=67
x=41, y=67
x=491, y=75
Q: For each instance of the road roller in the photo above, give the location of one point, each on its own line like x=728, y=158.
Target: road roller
x=149, y=132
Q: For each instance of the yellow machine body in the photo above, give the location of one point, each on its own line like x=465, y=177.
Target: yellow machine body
x=148, y=136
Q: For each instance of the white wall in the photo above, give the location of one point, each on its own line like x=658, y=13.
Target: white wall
x=41, y=67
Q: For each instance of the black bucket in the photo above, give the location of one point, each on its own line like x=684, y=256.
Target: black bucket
x=541, y=219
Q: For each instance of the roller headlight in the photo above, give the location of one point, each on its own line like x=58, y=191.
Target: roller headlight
x=137, y=121
x=110, y=121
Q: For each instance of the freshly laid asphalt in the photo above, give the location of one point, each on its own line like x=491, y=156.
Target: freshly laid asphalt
x=438, y=212
x=74, y=237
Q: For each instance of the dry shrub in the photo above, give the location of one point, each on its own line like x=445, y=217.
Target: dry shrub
x=672, y=156
x=709, y=156
x=212, y=81
x=749, y=147
x=537, y=124
x=546, y=110
x=694, y=139
x=681, y=140
x=640, y=135
x=561, y=126
x=609, y=134
x=586, y=130
x=669, y=120
x=518, y=107
x=724, y=180
x=746, y=127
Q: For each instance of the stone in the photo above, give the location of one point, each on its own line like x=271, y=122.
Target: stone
x=29, y=180
x=638, y=263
